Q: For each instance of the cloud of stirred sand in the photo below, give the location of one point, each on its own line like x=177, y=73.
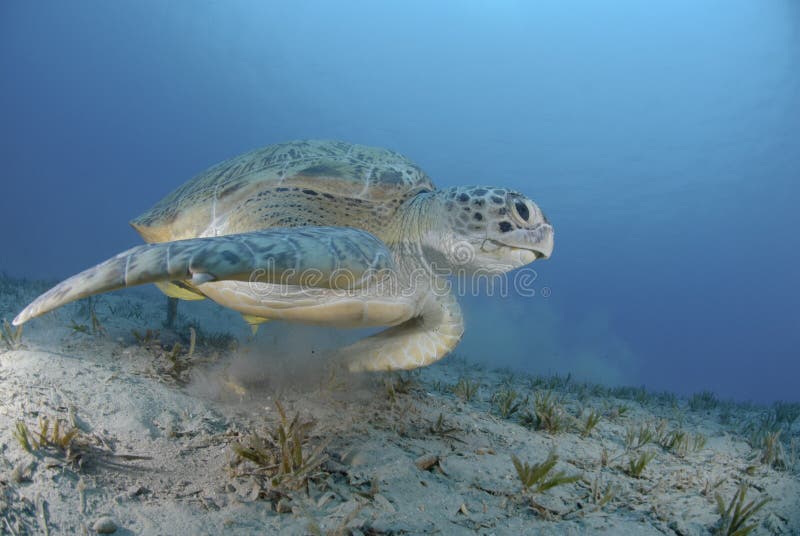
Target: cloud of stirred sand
x=528, y=335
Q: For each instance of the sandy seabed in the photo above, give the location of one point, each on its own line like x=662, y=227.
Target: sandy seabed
x=167, y=439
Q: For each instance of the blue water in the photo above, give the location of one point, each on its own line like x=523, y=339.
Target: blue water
x=661, y=138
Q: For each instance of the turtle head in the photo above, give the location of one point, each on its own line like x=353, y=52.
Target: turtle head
x=489, y=228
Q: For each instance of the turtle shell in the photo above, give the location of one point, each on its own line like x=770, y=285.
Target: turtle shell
x=308, y=182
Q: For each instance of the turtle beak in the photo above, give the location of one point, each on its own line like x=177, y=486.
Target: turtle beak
x=537, y=241
x=522, y=246
x=542, y=237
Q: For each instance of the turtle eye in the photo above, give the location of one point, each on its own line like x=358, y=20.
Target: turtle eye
x=522, y=210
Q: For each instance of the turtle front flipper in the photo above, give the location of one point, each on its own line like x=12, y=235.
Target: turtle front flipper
x=318, y=257
x=418, y=342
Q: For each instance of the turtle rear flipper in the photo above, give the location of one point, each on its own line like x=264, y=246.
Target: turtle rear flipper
x=320, y=257
x=179, y=290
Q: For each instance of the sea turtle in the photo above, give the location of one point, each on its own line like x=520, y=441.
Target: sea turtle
x=329, y=233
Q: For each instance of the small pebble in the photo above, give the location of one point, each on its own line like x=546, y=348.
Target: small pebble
x=384, y=503
x=104, y=525
x=135, y=491
x=426, y=461
x=20, y=473
x=284, y=506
